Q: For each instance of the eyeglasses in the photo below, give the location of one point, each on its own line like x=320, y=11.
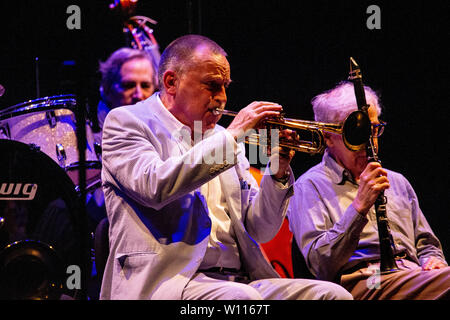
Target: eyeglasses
x=378, y=129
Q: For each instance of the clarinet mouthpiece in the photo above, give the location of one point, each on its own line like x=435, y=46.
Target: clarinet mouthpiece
x=355, y=71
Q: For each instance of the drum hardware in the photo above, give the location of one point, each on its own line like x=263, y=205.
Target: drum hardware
x=36, y=65
x=61, y=155
x=98, y=150
x=34, y=147
x=51, y=118
x=5, y=133
x=90, y=187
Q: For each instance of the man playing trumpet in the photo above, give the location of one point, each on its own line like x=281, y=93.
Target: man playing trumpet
x=181, y=228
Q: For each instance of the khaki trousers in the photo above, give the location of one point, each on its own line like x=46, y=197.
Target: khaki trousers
x=410, y=283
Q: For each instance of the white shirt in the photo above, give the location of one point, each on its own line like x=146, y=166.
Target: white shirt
x=222, y=250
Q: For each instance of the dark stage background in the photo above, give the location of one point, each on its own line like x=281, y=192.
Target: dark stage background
x=282, y=51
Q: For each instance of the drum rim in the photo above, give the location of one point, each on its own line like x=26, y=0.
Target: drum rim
x=26, y=244
x=44, y=252
x=89, y=164
x=64, y=101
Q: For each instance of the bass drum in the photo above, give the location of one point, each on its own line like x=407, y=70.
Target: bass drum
x=43, y=238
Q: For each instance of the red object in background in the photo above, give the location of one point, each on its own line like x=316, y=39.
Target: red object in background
x=278, y=250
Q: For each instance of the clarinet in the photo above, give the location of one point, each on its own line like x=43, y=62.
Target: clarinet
x=387, y=259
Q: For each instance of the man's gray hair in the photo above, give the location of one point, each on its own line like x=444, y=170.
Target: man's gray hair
x=334, y=105
x=110, y=69
x=179, y=55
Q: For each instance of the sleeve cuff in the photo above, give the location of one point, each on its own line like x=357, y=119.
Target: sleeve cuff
x=352, y=222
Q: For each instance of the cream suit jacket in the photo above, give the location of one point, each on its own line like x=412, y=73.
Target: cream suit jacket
x=159, y=223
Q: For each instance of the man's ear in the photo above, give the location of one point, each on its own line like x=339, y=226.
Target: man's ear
x=170, y=81
x=327, y=139
x=103, y=95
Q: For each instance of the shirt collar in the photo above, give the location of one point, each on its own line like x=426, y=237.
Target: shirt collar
x=180, y=132
x=166, y=116
x=169, y=120
x=338, y=174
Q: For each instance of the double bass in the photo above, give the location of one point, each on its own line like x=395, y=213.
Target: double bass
x=137, y=29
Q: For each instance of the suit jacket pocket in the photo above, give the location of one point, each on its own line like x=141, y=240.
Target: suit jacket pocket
x=132, y=274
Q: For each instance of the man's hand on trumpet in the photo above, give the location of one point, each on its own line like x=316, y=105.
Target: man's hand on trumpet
x=281, y=157
x=251, y=117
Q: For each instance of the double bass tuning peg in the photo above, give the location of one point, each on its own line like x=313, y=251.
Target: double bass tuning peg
x=125, y=8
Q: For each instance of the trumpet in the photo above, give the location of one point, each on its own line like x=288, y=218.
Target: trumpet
x=355, y=131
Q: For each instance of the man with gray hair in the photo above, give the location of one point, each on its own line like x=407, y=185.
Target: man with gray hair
x=334, y=223
x=128, y=77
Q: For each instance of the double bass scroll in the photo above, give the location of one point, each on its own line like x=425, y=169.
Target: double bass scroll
x=137, y=29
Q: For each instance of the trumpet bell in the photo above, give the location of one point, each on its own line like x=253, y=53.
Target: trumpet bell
x=356, y=130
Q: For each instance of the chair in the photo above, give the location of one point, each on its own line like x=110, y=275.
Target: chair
x=101, y=246
x=278, y=251
x=298, y=263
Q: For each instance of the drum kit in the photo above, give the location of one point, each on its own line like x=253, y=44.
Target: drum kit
x=41, y=230
x=43, y=221
x=50, y=124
